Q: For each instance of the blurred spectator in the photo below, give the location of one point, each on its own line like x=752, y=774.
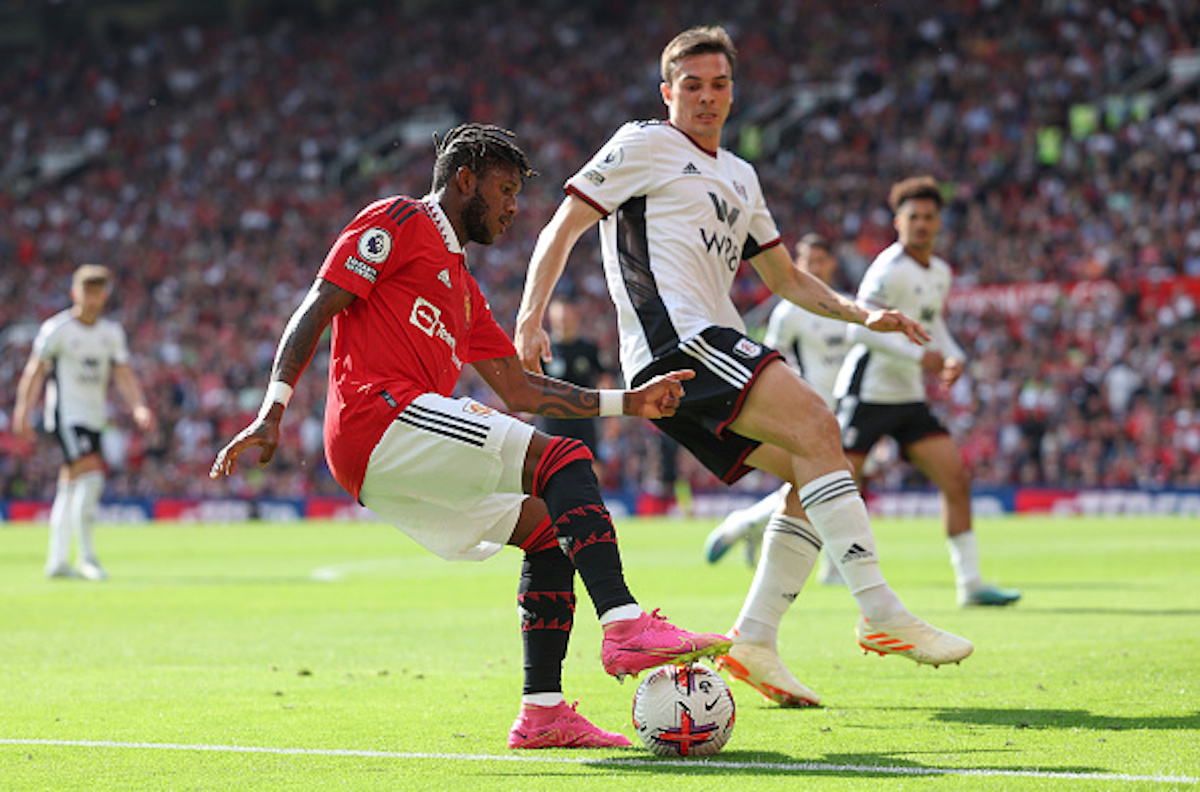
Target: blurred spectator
x=576, y=359
x=210, y=165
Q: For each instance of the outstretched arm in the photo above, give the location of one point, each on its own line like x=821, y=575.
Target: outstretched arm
x=296, y=348
x=530, y=391
x=784, y=278
x=546, y=265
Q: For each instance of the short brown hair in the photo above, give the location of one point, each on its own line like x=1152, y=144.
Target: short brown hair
x=814, y=240
x=91, y=273
x=697, y=41
x=915, y=188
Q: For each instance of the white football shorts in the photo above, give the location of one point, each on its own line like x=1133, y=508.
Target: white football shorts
x=447, y=472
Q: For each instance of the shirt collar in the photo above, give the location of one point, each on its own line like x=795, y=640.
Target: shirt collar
x=443, y=224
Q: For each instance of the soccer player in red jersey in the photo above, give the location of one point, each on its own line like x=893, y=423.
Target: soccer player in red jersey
x=458, y=477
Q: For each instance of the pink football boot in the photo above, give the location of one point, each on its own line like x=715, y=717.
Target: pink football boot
x=559, y=726
x=633, y=645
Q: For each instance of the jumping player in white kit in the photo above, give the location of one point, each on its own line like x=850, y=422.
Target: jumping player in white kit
x=677, y=215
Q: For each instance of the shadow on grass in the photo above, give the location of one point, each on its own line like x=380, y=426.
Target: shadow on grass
x=857, y=765
x=844, y=765
x=1065, y=719
x=1138, y=612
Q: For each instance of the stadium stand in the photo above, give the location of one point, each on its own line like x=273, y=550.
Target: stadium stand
x=209, y=160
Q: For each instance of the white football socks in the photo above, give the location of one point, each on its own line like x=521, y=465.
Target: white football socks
x=790, y=547
x=964, y=558
x=543, y=699
x=58, y=554
x=83, y=512
x=757, y=514
x=836, y=509
x=620, y=613
x=741, y=521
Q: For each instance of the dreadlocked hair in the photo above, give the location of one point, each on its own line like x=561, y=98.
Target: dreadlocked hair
x=479, y=147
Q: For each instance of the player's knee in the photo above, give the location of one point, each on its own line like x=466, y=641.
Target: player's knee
x=816, y=434
x=820, y=437
x=826, y=423
x=577, y=449
x=563, y=456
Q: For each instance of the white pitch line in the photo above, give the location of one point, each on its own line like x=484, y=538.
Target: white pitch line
x=332, y=573
x=710, y=764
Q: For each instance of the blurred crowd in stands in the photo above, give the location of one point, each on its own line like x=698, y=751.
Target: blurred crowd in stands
x=211, y=166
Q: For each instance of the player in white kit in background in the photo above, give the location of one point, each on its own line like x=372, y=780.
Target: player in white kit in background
x=76, y=353
x=881, y=387
x=815, y=346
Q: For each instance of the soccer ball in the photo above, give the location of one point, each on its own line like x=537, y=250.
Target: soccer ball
x=683, y=710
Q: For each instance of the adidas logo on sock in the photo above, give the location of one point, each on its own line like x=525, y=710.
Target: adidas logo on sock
x=856, y=553
x=691, y=170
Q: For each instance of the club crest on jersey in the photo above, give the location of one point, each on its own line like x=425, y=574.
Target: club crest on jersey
x=374, y=245
x=444, y=277
x=747, y=348
x=611, y=160
x=740, y=189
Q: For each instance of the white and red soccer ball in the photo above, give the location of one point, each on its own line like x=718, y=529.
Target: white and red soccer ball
x=683, y=710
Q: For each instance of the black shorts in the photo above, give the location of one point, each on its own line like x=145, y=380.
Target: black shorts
x=864, y=424
x=726, y=363
x=77, y=441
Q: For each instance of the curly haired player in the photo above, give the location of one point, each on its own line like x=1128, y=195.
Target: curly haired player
x=458, y=477
x=881, y=385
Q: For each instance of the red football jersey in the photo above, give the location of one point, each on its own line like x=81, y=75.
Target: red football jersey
x=419, y=318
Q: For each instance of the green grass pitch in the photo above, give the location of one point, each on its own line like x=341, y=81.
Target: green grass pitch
x=341, y=656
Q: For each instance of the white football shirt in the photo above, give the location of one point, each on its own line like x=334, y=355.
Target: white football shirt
x=885, y=368
x=83, y=357
x=814, y=345
x=678, y=221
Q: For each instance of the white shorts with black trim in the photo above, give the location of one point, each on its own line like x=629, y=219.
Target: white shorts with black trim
x=447, y=472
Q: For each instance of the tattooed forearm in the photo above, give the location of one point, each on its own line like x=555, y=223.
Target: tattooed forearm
x=564, y=400
x=832, y=309
x=839, y=308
